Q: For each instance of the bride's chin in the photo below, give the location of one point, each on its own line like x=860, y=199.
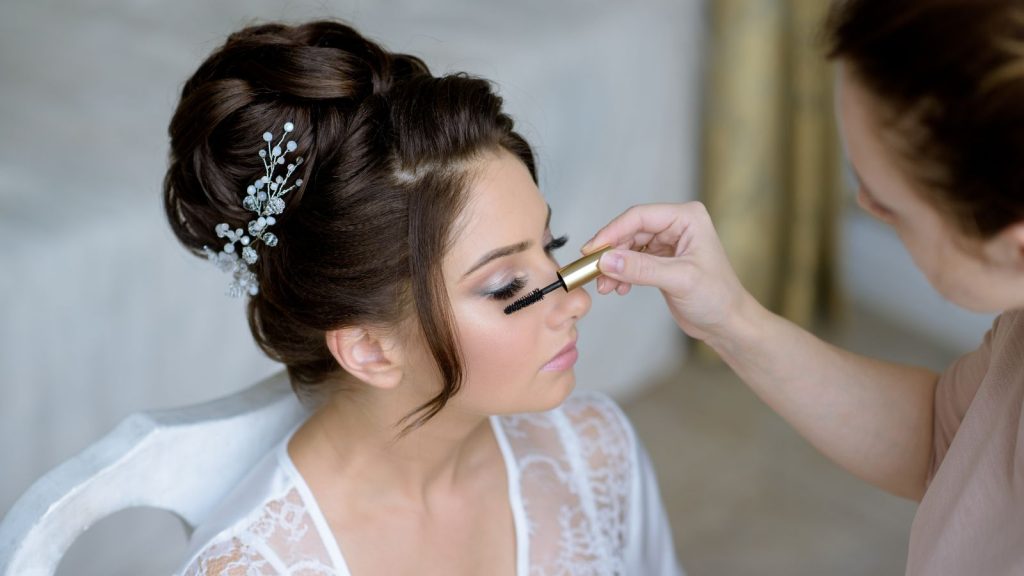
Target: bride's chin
x=557, y=392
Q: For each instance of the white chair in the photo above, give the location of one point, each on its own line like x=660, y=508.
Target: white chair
x=183, y=460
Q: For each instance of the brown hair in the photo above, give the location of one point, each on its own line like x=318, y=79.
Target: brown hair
x=955, y=69
x=388, y=151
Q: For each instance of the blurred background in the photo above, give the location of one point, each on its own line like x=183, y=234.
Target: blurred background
x=728, y=101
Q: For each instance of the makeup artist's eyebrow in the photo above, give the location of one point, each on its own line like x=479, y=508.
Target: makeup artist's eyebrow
x=506, y=250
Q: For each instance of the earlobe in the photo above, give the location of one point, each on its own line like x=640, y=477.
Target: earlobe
x=368, y=355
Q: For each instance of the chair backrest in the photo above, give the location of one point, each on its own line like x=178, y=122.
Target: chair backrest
x=183, y=460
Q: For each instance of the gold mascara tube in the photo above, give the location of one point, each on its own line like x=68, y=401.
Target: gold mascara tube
x=570, y=277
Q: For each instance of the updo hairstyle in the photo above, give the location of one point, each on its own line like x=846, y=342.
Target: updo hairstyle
x=389, y=152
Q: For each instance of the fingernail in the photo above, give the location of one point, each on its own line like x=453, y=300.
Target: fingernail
x=611, y=262
x=586, y=246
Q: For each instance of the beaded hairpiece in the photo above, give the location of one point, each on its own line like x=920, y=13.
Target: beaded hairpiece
x=264, y=198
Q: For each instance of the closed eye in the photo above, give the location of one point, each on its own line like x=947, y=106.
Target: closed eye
x=513, y=288
x=509, y=291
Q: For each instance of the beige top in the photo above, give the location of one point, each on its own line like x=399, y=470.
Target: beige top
x=971, y=520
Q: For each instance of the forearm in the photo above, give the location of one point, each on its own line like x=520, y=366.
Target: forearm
x=873, y=418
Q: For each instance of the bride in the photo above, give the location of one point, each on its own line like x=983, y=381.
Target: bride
x=378, y=219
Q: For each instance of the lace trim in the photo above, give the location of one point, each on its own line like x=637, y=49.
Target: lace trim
x=229, y=558
x=280, y=538
x=575, y=469
x=575, y=473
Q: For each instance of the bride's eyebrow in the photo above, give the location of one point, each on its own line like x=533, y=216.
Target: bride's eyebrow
x=506, y=250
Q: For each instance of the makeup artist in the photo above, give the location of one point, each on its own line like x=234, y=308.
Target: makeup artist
x=930, y=101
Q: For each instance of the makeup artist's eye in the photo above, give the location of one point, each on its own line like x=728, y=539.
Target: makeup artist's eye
x=556, y=243
x=509, y=291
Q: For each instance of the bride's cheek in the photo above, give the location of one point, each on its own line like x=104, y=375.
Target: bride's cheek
x=494, y=345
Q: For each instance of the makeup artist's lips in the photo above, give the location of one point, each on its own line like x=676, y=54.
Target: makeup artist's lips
x=564, y=360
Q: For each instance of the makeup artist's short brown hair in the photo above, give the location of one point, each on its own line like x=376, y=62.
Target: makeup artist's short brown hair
x=949, y=75
x=387, y=146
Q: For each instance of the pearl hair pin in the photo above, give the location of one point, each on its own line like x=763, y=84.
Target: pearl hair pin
x=263, y=197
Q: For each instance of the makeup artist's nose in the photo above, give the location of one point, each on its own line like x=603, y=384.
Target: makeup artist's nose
x=570, y=307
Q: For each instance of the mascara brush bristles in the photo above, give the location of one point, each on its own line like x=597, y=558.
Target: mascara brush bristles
x=531, y=298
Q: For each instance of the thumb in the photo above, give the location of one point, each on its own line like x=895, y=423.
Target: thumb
x=637, y=268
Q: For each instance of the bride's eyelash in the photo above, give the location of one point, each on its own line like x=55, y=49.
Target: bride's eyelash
x=509, y=291
x=556, y=243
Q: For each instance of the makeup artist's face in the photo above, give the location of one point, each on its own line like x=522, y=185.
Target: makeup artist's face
x=501, y=250
x=968, y=278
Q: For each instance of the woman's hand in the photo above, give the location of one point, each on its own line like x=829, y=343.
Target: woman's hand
x=873, y=418
x=674, y=247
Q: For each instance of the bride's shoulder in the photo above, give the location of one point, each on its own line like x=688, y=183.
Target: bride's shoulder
x=262, y=524
x=278, y=533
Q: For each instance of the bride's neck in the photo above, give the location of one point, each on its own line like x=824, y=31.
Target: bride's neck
x=354, y=438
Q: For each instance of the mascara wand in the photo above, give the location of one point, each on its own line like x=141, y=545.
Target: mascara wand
x=571, y=276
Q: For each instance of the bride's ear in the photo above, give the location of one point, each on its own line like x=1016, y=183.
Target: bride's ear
x=371, y=355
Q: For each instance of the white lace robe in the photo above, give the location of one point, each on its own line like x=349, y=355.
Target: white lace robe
x=582, y=492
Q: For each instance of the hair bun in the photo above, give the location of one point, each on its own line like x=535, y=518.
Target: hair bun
x=262, y=76
x=322, y=60
x=388, y=150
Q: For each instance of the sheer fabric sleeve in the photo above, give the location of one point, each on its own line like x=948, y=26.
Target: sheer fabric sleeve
x=620, y=466
x=230, y=558
x=588, y=493
x=954, y=393
x=280, y=538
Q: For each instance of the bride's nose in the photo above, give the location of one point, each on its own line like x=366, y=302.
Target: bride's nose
x=569, y=307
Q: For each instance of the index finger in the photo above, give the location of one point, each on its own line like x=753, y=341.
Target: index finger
x=640, y=222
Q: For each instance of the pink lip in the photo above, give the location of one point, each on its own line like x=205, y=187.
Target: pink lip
x=564, y=360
